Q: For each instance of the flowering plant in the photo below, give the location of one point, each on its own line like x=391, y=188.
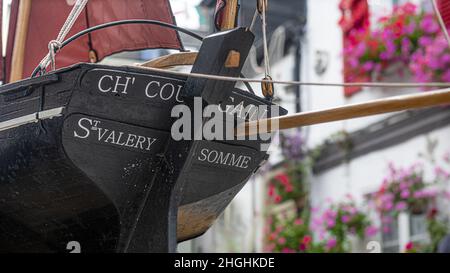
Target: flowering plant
x=289, y=236
x=340, y=220
x=403, y=189
x=288, y=185
x=431, y=63
x=406, y=36
x=291, y=184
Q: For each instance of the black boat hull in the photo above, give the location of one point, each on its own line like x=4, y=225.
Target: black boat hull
x=85, y=154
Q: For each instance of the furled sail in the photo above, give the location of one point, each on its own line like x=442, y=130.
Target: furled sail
x=46, y=17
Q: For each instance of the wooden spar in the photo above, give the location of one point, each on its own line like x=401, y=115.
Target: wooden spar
x=18, y=57
x=375, y=107
x=230, y=14
x=168, y=61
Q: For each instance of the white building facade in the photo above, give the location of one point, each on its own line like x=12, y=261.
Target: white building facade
x=403, y=139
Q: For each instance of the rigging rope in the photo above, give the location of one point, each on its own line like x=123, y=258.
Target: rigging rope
x=252, y=24
x=329, y=84
x=55, y=45
x=265, y=44
x=267, y=87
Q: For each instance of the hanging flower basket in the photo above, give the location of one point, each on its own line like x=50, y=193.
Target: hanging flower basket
x=407, y=38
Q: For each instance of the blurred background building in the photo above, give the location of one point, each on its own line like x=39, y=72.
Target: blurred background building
x=338, y=186
x=345, y=161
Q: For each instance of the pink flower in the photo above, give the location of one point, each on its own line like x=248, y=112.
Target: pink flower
x=298, y=222
x=401, y=206
x=283, y=178
x=371, y=231
x=386, y=230
x=331, y=243
x=425, y=193
x=289, y=188
x=388, y=205
x=368, y=66
x=307, y=239
x=287, y=250
x=409, y=29
x=345, y=219
x=281, y=240
x=302, y=247
x=429, y=24
x=409, y=246
x=360, y=49
x=405, y=194
x=331, y=223
x=278, y=199
x=425, y=41
x=409, y=8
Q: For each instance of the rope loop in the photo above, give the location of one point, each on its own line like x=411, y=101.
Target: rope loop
x=53, y=47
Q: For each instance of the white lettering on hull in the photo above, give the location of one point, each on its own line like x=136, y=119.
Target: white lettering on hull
x=153, y=89
x=226, y=159
x=88, y=127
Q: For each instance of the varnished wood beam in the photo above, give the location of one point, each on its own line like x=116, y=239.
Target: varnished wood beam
x=168, y=61
x=20, y=38
x=230, y=14
x=375, y=107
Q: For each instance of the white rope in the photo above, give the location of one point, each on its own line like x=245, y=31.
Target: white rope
x=329, y=84
x=265, y=44
x=55, y=45
x=441, y=21
x=253, y=20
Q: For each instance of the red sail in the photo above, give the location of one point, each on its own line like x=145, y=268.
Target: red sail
x=444, y=8
x=48, y=16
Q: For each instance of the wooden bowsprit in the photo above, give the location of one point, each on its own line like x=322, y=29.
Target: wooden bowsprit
x=375, y=107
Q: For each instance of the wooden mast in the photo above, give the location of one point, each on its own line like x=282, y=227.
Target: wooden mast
x=375, y=107
x=230, y=14
x=18, y=57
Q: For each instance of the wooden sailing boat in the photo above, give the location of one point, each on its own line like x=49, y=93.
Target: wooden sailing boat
x=86, y=152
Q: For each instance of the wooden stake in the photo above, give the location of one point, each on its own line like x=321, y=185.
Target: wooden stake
x=230, y=14
x=375, y=107
x=18, y=58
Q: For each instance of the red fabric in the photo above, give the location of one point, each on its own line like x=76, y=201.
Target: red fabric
x=219, y=14
x=355, y=16
x=48, y=16
x=444, y=8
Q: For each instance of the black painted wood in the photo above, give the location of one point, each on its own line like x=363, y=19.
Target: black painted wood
x=106, y=172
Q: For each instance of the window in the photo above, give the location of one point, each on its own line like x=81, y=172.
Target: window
x=404, y=229
x=391, y=238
